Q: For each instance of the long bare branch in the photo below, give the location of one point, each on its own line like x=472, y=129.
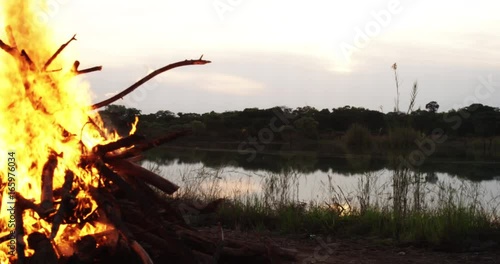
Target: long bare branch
x=147, y=78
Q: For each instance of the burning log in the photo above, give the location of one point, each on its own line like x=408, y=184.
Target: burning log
x=27, y=204
x=44, y=252
x=20, y=246
x=112, y=212
x=47, y=182
x=137, y=248
x=85, y=251
x=169, y=245
x=131, y=140
x=158, y=207
x=65, y=203
x=133, y=170
x=139, y=149
x=120, y=182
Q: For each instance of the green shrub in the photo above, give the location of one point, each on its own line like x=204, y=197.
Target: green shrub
x=403, y=138
x=358, y=137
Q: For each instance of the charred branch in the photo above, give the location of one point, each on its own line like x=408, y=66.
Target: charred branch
x=108, y=205
x=6, y=236
x=139, y=149
x=47, y=182
x=20, y=245
x=44, y=252
x=8, y=49
x=111, y=209
x=76, y=71
x=85, y=251
x=163, y=208
x=167, y=244
x=109, y=174
x=88, y=70
x=26, y=59
x=63, y=46
x=147, y=78
x=129, y=141
x=133, y=170
x=65, y=203
x=22, y=57
x=139, y=250
x=27, y=204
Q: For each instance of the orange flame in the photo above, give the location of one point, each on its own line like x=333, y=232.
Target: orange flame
x=37, y=110
x=134, y=125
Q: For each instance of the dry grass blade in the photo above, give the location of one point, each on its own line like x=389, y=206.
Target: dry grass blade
x=413, y=97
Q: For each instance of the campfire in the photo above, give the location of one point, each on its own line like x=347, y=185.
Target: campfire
x=70, y=190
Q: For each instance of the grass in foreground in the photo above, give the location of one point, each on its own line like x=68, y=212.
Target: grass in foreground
x=450, y=216
x=453, y=226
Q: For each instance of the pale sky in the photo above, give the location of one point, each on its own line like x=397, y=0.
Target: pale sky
x=287, y=53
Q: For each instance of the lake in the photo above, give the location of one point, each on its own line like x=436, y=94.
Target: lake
x=349, y=179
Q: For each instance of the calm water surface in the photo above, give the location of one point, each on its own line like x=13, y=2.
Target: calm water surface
x=309, y=178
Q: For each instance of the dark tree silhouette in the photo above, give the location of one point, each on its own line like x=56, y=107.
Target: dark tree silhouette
x=432, y=106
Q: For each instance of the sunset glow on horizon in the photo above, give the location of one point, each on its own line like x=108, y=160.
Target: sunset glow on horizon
x=322, y=53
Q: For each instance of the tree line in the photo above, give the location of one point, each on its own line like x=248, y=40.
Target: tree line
x=475, y=120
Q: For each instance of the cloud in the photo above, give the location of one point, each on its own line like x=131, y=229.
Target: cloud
x=228, y=84
x=216, y=83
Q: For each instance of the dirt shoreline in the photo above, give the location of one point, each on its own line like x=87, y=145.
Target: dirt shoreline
x=331, y=250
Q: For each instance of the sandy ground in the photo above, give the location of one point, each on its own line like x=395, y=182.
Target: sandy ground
x=315, y=249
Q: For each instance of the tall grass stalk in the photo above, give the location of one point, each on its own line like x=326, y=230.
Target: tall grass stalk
x=396, y=100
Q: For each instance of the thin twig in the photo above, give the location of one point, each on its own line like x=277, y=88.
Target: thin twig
x=63, y=46
x=93, y=69
x=147, y=78
x=78, y=72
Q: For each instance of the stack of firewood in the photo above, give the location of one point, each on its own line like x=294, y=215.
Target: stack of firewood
x=145, y=228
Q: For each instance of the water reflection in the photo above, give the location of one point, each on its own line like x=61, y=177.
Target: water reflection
x=348, y=165
x=344, y=182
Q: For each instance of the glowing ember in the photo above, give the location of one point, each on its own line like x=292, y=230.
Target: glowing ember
x=42, y=111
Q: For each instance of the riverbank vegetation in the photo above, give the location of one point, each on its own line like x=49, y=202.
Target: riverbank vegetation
x=472, y=132
x=404, y=210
